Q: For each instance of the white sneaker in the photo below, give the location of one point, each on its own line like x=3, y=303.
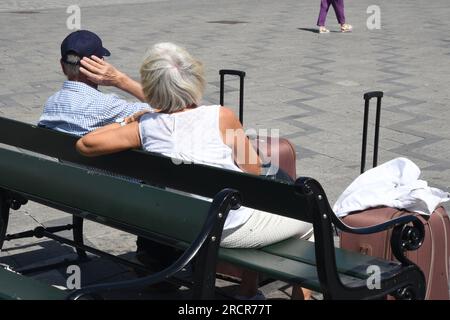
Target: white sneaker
x=346, y=28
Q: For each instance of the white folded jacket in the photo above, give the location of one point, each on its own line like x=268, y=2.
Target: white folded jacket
x=393, y=184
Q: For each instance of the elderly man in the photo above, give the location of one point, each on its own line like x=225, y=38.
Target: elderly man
x=79, y=107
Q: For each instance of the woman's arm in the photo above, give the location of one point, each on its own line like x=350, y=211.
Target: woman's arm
x=234, y=136
x=110, y=139
x=127, y=120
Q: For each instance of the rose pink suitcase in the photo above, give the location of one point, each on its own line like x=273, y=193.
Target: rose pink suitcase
x=434, y=254
x=286, y=156
x=432, y=257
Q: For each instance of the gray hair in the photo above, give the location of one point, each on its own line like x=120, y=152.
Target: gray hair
x=71, y=65
x=171, y=78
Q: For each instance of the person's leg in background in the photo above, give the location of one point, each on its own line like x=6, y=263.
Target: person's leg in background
x=338, y=6
x=324, y=7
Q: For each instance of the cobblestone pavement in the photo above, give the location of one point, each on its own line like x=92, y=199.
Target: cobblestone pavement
x=309, y=86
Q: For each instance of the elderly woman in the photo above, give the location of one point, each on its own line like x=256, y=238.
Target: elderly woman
x=183, y=129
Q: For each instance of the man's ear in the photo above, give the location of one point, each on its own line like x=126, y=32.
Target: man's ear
x=62, y=67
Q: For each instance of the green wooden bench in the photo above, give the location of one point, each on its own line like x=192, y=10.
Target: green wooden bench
x=195, y=225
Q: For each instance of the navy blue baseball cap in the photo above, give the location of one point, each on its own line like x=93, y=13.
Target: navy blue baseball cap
x=84, y=44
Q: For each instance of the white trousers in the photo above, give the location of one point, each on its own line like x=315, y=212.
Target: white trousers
x=263, y=228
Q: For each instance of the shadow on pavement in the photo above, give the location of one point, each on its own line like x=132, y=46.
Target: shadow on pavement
x=314, y=30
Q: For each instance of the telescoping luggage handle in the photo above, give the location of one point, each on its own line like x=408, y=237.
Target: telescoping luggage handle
x=241, y=75
x=367, y=97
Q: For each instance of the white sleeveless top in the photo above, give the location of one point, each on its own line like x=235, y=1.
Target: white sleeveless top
x=192, y=136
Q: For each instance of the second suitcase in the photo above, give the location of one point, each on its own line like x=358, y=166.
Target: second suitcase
x=432, y=257
x=264, y=145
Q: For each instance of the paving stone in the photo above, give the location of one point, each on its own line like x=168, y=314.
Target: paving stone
x=309, y=86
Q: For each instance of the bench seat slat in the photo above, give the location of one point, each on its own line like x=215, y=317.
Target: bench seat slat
x=17, y=287
x=278, y=267
x=349, y=263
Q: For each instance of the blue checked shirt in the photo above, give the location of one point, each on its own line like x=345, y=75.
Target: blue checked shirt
x=78, y=109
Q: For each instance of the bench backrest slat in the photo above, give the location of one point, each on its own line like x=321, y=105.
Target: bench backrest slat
x=257, y=192
x=122, y=203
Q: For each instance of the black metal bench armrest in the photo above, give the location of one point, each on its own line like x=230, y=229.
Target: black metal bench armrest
x=404, y=236
x=375, y=228
x=411, y=236
x=410, y=278
x=221, y=205
x=307, y=182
